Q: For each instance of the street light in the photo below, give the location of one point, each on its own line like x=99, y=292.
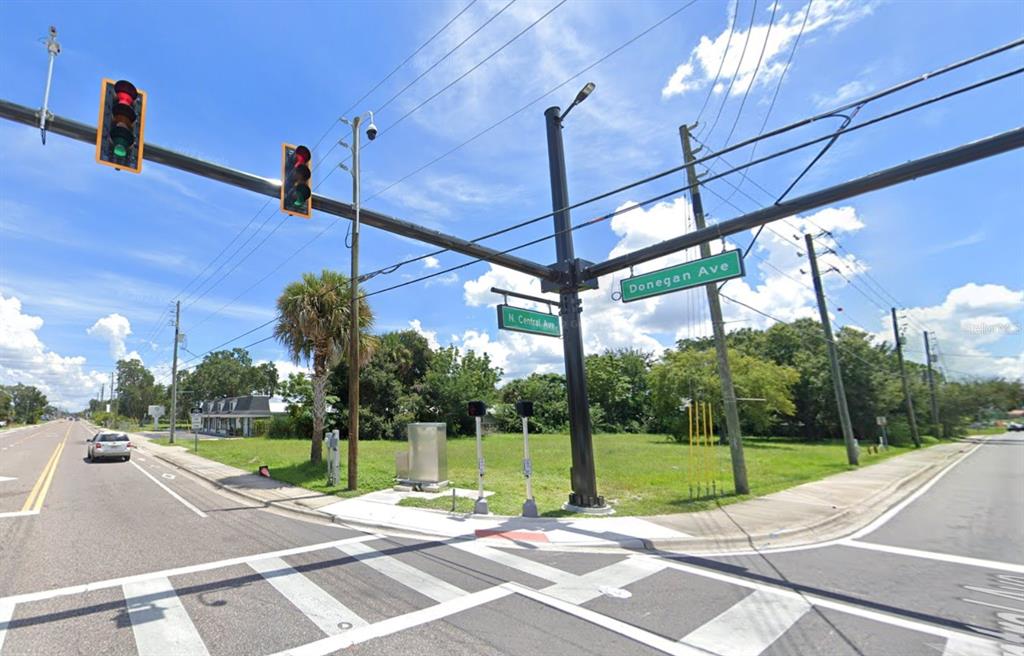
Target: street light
x=584, y=496
x=353, y=337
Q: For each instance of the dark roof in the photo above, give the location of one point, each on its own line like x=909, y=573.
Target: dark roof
x=238, y=406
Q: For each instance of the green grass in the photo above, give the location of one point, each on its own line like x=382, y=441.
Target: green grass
x=987, y=430
x=638, y=474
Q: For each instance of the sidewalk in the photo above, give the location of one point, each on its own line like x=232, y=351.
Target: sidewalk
x=813, y=512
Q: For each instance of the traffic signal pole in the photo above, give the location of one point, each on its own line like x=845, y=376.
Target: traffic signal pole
x=833, y=358
x=732, y=415
x=903, y=378
x=584, y=479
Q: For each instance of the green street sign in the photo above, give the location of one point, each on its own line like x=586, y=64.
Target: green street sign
x=683, y=276
x=528, y=321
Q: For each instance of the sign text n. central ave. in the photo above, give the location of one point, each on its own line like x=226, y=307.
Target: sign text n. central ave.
x=528, y=321
x=683, y=276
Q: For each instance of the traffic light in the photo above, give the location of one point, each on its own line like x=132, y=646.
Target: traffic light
x=119, y=141
x=296, y=196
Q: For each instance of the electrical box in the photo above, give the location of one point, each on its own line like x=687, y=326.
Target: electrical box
x=428, y=454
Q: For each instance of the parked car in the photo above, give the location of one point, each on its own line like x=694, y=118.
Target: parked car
x=1014, y=426
x=109, y=445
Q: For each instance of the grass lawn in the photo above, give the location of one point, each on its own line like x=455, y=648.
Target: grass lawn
x=638, y=474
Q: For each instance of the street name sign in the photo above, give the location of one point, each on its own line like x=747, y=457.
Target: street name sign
x=528, y=321
x=156, y=411
x=683, y=276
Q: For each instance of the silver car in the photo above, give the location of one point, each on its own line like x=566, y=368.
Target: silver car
x=109, y=445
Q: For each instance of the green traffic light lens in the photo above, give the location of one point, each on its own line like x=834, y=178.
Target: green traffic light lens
x=120, y=150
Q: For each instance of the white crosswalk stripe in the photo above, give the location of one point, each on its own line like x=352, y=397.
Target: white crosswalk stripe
x=508, y=559
x=6, y=613
x=957, y=646
x=332, y=616
x=750, y=626
x=581, y=589
x=159, y=621
x=425, y=584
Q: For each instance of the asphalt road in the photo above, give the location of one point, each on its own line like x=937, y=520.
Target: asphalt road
x=140, y=558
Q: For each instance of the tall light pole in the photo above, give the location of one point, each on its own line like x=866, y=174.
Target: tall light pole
x=584, y=495
x=353, y=330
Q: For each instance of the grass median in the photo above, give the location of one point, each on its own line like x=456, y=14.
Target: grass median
x=638, y=474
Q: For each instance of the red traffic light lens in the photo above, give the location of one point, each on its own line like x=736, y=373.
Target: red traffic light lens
x=125, y=92
x=302, y=156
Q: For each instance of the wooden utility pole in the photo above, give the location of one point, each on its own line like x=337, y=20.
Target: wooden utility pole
x=906, y=386
x=931, y=387
x=732, y=416
x=174, y=371
x=833, y=358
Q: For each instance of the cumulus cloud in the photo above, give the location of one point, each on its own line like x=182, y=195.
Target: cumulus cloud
x=25, y=359
x=431, y=262
x=429, y=335
x=971, y=321
x=705, y=59
x=114, y=329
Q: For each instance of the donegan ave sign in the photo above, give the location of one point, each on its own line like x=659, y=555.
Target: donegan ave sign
x=683, y=276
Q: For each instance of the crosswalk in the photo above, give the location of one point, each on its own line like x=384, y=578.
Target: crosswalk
x=168, y=614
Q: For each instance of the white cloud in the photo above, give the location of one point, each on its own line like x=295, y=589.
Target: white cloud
x=972, y=321
x=431, y=262
x=449, y=278
x=706, y=58
x=430, y=335
x=286, y=368
x=849, y=91
x=114, y=329
x=25, y=359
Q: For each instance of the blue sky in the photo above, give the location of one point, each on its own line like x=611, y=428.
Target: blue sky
x=91, y=258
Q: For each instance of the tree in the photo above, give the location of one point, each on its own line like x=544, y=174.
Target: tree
x=314, y=326
x=136, y=389
x=617, y=382
x=693, y=374
x=550, y=403
x=6, y=405
x=228, y=373
x=27, y=403
x=452, y=380
x=390, y=385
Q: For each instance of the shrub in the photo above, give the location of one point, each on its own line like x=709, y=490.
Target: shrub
x=261, y=427
x=281, y=427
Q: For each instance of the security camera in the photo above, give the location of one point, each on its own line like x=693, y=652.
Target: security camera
x=371, y=131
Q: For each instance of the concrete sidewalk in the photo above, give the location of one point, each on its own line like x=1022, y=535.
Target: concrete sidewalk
x=813, y=512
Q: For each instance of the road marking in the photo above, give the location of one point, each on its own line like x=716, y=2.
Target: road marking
x=6, y=613
x=38, y=493
x=169, y=477
x=176, y=571
x=935, y=555
x=386, y=627
x=882, y=519
x=581, y=589
x=324, y=610
x=159, y=621
x=170, y=491
x=502, y=557
x=18, y=513
x=4, y=479
x=625, y=629
x=957, y=647
x=426, y=584
x=750, y=626
x=843, y=607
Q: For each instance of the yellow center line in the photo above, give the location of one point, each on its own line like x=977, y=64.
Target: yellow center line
x=38, y=493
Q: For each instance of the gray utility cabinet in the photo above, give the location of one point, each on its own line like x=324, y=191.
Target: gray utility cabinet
x=428, y=454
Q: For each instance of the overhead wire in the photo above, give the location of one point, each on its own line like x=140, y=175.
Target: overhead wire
x=739, y=65
x=757, y=69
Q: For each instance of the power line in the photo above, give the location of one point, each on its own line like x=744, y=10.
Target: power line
x=739, y=64
x=757, y=69
x=721, y=64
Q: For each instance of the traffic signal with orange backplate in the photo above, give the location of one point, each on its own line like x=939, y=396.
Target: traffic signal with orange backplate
x=296, y=171
x=119, y=133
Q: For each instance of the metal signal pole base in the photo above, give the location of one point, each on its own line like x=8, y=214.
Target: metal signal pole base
x=480, y=507
x=530, y=508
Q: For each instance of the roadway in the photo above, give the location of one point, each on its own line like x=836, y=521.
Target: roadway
x=140, y=558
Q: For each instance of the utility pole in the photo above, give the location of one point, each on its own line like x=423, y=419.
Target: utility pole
x=931, y=387
x=906, y=386
x=833, y=358
x=732, y=415
x=584, y=478
x=103, y=391
x=174, y=371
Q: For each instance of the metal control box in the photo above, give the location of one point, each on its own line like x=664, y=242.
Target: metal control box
x=428, y=453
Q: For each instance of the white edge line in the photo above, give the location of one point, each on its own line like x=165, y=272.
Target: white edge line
x=18, y=513
x=439, y=611
x=6, y=613
x=842, y=607
x=176, y=571
x=882, y=519
x=935, y=555
x=170, y=491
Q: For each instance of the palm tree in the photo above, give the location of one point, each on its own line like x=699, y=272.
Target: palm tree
x=313, y=324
